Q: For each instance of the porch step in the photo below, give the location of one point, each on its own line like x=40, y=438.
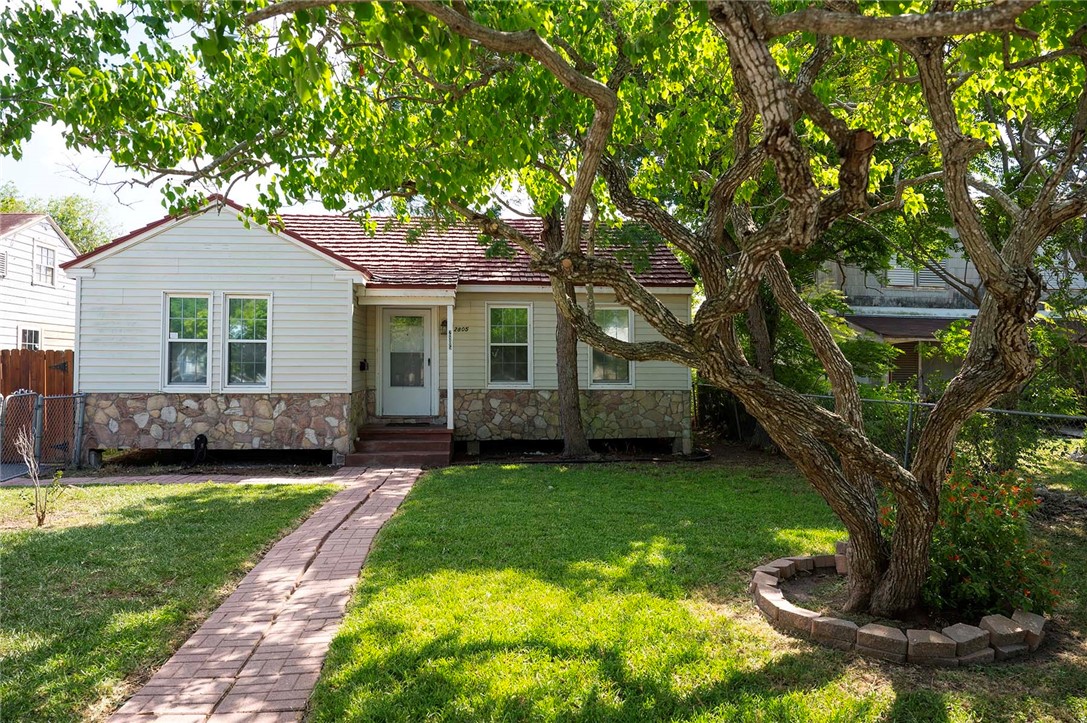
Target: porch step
x=390, y=446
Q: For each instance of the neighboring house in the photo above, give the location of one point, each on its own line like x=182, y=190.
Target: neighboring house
x=37, y=300
x=299, y=339
x=906, y=308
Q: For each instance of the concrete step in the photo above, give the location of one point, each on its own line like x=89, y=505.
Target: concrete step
x=403, y=444
x=398, y=459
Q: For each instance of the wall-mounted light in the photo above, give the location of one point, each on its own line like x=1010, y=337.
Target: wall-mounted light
x=444, y=326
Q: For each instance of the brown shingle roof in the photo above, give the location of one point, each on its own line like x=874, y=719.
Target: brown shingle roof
x=432, y=258
x=903, y=327
x=448, y=255
x=11, y=221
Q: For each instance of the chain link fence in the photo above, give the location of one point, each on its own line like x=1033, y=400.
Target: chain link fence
x=994, y=438
x=54, y=424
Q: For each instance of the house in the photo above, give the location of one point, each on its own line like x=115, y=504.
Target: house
x=37, y=300
x=908, y=307
x=302, y=338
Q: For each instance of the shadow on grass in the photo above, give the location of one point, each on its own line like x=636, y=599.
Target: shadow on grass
x=85, y=607
x=617, y=593
x=585, y=594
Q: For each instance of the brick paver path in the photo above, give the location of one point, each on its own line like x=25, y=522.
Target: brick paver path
x=258, y=656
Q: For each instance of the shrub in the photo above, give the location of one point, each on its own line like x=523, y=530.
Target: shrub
x=984, y=556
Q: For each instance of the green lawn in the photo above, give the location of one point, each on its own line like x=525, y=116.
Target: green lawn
x=1051, y=464
x=117, y=581
x=617, y=593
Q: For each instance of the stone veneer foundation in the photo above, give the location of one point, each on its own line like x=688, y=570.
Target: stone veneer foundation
x=230, y=421
x=486, y=414
x=995, y=637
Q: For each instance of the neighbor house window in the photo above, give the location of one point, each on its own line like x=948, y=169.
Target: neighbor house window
x=904, y=277
x=45, y=266
x=608, y=369
x=509, y=346
x=187, y=340
x=247, y=341
x=30, y=339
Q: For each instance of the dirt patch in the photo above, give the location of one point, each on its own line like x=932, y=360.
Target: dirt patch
x=1060, y=507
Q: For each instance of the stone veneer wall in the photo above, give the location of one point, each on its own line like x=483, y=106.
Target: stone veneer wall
x=484, y=414
x=230, y=421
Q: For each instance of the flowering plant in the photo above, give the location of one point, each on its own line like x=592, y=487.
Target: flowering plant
x=983, y=557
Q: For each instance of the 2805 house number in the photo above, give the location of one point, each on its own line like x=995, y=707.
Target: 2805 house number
x=459, y=329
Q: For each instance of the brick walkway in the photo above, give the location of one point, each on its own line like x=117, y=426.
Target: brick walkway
x=258, y=656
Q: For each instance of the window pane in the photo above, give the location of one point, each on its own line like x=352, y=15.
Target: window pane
x=608, y=369
x=188, y=318
x=248, y=319
x=509, y=325
x=188, y=362
x=509, y=364
x=247, y=363
x=614, y=322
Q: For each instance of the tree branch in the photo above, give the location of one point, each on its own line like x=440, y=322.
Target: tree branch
x=1001, y=15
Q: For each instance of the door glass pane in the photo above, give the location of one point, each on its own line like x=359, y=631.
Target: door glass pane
x=406, y=347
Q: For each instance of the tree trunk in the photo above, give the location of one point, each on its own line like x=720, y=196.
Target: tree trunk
x=762, y=342
x=575, y=443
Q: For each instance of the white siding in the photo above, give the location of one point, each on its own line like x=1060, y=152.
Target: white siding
x=121, y=308
x=24, y=303
x=470, y=347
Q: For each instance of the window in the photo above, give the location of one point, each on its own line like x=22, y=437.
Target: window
x=45, y=266
x=905, y=277
x=247, y=341
x=30, y=339
x=608, y=369
x=187, y=340
x=509, y=348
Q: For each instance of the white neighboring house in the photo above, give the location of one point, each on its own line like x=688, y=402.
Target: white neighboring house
x=37, y=299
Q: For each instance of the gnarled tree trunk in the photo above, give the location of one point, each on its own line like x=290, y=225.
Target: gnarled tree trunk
x=574, y=442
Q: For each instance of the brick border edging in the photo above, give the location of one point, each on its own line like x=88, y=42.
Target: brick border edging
x=996, y=637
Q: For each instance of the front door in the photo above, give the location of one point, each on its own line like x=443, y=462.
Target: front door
x=406, y=382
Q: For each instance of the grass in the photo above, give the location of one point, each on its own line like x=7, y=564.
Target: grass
x=617, y=593
x=116, y=582
x=1051, y=464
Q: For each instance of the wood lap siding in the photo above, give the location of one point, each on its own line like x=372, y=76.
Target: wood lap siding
x=121, y=306
x=470, y=347
x=24, y=304
x=44, y=372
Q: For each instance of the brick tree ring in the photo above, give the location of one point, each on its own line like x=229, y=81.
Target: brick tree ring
x=995, y=637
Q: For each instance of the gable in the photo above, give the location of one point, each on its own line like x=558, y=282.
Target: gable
x=217, y=223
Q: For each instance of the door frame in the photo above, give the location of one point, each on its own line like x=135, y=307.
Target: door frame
x=435, y=372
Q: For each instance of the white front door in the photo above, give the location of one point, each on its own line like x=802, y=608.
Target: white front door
x=406, y=386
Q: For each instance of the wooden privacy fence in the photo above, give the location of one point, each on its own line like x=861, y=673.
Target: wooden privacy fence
x=46, y=372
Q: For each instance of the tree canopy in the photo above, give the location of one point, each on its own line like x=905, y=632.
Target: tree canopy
x=757, y=138
x=79, y=217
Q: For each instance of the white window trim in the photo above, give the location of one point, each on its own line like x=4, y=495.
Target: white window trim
x=19, y=336
x=34, y=265
x=531, y=356
x=630, y=364
x=225, y=347
x=164, y=349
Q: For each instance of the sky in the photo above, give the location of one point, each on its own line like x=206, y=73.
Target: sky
x=48, y=168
